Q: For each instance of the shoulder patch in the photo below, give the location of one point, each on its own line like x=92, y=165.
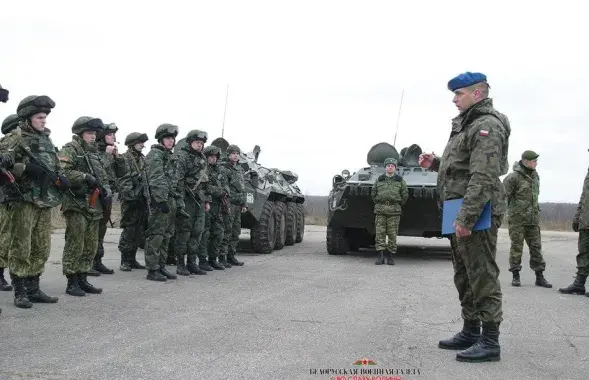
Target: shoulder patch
x=483, y=132
x=64, y=158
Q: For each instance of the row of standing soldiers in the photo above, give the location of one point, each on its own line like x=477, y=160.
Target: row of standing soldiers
x=188, y=203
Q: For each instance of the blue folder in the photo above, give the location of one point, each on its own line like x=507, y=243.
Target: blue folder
x=450, y=211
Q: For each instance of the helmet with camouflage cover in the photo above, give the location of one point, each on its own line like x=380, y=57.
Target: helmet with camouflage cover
x=166, y=130
x=390, y=161
x=233, y=148
x=10, y=123
x=108, y=128
x=135, y=138
x=196, y=135
x=87, y=123
x=212, y=150
x=34, y=104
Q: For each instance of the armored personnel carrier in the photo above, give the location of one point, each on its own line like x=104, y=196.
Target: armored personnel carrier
x=350, y=224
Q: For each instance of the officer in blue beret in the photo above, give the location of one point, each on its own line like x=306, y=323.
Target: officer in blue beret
x=469, y=169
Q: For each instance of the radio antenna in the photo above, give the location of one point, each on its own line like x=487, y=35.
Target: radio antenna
x=225, y=112
x=398, y=117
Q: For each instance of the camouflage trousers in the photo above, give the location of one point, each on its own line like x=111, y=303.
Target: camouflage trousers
x=212, y=236
x=81, y=241
x=133, y=223
x=232, y=227
x=476, y=274
x=583, y=255
x=5, y=234
x=160, y=229
x=386, y=225
x=31, y=243
x=102, y=227
x=190, y=229
x=531, y=235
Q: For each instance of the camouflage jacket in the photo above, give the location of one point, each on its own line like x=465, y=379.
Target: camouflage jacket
x=218, y=184
x=131, y=184
x=389, y=194
x=474, y=159
x=236, y=180
x=43, y=193
x=522, y=187
x=161, y=174
x=192, y=174
x=582, y=213
x=113, y=166
x=80, y=159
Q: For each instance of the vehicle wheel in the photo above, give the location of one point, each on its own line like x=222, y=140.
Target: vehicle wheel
x=291, y=223
x=337, y=244
x=280, y=217
x=263, y=233
x=300, y=223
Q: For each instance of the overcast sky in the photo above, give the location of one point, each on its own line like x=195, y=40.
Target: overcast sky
x=314, y=83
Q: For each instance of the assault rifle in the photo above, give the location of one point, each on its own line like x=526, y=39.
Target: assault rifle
x=12, y=181
x=100, y=191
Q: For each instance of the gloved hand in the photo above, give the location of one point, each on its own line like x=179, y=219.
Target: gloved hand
x=33, y=170
x=576, y=226
x=163, y=206
x=63, y=183
x=91, y=181
x=6, y=162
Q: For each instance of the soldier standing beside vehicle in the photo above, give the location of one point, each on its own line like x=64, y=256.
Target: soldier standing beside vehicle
x=134, y=197
x=473, y=160
x=237, y=205
x=389, y=194
x=522, y=187
x=82, y=166
x=191, y=172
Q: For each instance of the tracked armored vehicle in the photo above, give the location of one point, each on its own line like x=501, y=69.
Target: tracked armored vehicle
x=350, y=224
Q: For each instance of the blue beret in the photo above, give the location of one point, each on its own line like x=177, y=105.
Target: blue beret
x=465, y=79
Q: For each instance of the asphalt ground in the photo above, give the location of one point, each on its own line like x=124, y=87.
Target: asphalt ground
x=293, y=313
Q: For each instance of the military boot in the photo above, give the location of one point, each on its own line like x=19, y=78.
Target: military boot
x=233, y=261
x=73, y=288
x=541, y=281
x=170, y=260
x=380, y=258
x=515, y=281
x=204, y=265
x=100, y=267
x=191, y=265
x=181, y=267
x=471, y=331
x=165, y=272
x=389, y=255
x=224, y=262
x=133, y=263
x=20, y=292
x=213, y=263
x=486, y=349
x=93, y=272
x=86, y=286
x=155, y=275
x=125, y=262
x=4, y=285
x=35, y=294
x=577, y=287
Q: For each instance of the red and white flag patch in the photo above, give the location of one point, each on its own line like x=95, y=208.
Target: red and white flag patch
x=484, y=132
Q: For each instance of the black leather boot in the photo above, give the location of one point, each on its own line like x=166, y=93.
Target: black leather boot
x=170, y=259
x=4, y=285
x=181, y=267
x=471, y=331
x=380, y=258
x=100, y=267
x=192, y=267
x=233, y=261
x=486, y=349
x=125, y=262
x=133, y=263
x=577, y=287
x=86, y=286
x=155, y=275
x=35, y=294
x=515, y=281
x=390, y=258
x=73, y=288
x=204, y=265
x=165, y=272
x=93, y=272
x=224, y=262
x=541, y=281
x=20, y=292
x=213, y=263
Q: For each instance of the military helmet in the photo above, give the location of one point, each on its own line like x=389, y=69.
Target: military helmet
x=196, y=135
x=212, y=150
x=10, y=123
x=390, y=161
x=233, y=148
x=108, y=128
x=166, y=130
x=87, y=123
x=34, y=104
x=135, y=137
x=3, y=95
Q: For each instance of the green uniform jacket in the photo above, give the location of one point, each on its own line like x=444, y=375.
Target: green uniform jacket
x=236, y=180
x=582, y=214
x=74, y=157
x=192, y=174
x=522, y=187
x=113, y=166
x=41, y=147
x=474, y=159
x=389, y=194
x=161, y=174
x=131, y=186
x=218, y=185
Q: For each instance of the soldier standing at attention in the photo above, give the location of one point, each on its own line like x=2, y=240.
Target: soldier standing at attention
x=164, y=203
x=473, y=160
x=237, y=205
x=522, y=187
x=133, y=191
x=389, y=194
x=581, y=225
x=80, y=161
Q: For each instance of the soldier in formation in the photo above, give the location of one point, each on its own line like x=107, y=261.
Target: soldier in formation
x=389, y=194
x=237, y=206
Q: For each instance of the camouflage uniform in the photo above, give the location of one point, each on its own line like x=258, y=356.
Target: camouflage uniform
x=164, y=202
x=218, y=189
x=83, y=213
x=134, y=203
x=389, y=194
x=191, y=171
x=237, y=200
x=473, y=160
x=522, y=187
x=40, y=180
x=581, y=225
